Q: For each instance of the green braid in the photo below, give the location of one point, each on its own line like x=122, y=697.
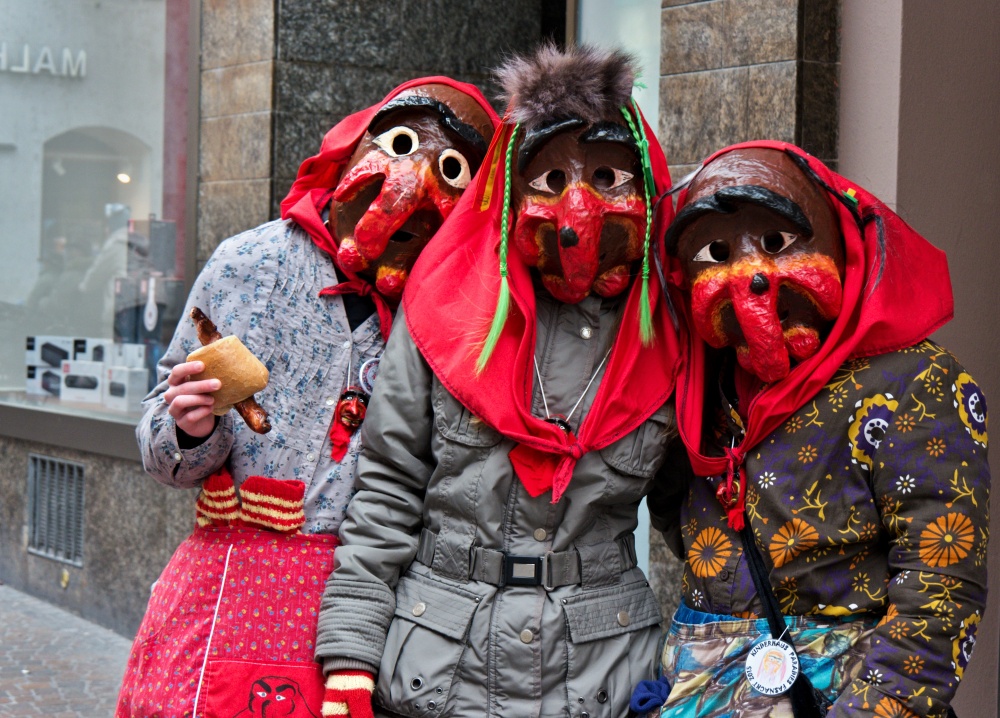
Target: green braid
x=646, y=332
x=503, y=300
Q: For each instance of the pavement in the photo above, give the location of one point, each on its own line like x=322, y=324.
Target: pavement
x=54, y=663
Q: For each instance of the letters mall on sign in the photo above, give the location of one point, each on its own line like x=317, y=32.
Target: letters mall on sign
x=41, y=60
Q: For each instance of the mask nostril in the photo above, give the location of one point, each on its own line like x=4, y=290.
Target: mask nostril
x=759, y=284
x=568, y=237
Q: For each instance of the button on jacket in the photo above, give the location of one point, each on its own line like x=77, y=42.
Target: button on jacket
x=415, y=593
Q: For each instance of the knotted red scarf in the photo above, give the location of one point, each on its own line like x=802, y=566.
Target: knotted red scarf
x=449, y=304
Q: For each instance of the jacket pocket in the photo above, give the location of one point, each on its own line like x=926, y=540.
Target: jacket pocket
x=641, y=452
x=425, y=643
x=613, y=636
x=455, y=422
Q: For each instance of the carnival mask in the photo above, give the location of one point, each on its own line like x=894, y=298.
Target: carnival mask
x=406, y=175
x=763, y=258
x=580, y=209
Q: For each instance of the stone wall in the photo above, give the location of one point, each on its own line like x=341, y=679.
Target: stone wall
x=736, y=70
x=131, y=526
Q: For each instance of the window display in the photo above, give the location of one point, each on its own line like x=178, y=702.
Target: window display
x=92, y=165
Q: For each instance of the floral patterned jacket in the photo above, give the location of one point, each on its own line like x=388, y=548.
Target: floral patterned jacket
x=872, y=499
x=263, y=286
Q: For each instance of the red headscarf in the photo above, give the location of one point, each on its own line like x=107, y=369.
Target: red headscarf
x=449, y=304
x=318, y=177
x=892, y=299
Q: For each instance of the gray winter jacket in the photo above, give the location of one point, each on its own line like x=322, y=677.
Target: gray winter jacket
x=429, y=585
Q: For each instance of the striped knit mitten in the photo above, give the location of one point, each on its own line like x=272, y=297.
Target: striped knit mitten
x=216, y=505
x=272, y=504
x=349, y=694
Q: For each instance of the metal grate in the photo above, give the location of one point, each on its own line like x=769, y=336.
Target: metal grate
x=55, y=509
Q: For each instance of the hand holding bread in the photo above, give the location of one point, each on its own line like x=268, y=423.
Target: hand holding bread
x=228, y=377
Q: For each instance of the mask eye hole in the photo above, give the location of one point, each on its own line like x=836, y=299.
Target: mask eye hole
x=715, y=251
x=454, y=168
x=608, y=178
x=398, y=142
x=774, y=241
x=552, y=181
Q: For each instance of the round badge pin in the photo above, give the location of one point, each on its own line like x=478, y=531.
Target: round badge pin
x=772, y=667
x=367, y=374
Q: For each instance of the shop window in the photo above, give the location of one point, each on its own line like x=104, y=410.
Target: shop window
x=93, y=173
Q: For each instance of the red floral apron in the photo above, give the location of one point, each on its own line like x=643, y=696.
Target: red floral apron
x=230, y=629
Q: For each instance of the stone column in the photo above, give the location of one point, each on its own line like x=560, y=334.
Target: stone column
x=736, y=70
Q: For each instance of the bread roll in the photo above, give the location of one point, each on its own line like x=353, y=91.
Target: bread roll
x=241, y=373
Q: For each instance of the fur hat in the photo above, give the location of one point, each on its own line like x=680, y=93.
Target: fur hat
x=586, y=83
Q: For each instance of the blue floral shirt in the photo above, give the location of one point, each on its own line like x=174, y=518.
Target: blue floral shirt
x=263, y=286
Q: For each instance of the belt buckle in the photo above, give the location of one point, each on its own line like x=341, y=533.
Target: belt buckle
x=524, y=570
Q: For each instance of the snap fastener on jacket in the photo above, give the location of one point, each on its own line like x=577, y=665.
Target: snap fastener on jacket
x=584, y=714
x=602, y=696
x=527, y=636
x=416, y=683
x=623, y=618
x=724, y=575
x=419, y=608
x=540, y=534
x=586, y=332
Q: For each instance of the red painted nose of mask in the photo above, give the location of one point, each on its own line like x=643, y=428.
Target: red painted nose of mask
x=770, y=345
x=408, y=186
x=578, y=219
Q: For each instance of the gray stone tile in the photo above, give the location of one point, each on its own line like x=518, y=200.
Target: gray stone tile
x=234, y=32
x=701, y=112
x=335, y=90
x=236, y=147
x=820, y=109
x=665, y=574
x=227, y=208
x=821, y=30
x=418, y=36
x=760, y=31
x=693, y=37
x=279, y=190
x=237, y=90
x=296, y=137
x=769, y=93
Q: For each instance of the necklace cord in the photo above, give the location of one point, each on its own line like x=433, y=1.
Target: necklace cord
x=541, y=387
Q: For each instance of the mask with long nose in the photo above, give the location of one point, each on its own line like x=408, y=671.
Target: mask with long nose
x=403, y=180
x=580, y=210
x=763, y=258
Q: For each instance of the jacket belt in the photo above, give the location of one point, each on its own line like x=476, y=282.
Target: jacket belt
x=549, y=570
